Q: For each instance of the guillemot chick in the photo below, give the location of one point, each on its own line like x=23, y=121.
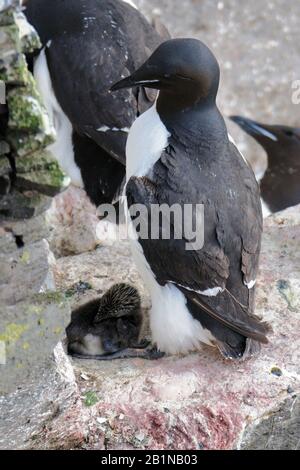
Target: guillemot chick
x=280, y=183
x=109, y=327
x=179, y=152
x=87, y=44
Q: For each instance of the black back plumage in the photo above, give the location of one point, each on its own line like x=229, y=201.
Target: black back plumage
x=90, y=44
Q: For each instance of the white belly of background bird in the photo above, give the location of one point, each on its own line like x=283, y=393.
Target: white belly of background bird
x=62, y=149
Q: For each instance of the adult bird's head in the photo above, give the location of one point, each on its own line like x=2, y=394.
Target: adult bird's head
x=184, y=71
x=280, y=142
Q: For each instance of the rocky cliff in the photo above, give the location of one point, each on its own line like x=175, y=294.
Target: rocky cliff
x=32, y=316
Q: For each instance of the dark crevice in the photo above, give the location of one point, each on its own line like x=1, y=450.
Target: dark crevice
x=19, y=240
x=13, y=173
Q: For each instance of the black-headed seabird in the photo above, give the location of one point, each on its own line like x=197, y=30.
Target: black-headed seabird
x=280, y=184
x=179, y=152
x=88, y=44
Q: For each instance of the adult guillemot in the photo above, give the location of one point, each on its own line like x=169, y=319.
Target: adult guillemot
x=87, y=44
x=280, y=184
x=178, y=152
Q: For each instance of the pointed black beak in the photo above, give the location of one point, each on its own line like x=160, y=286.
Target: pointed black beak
x=125, y=83
x=244, y=123
x=254, y=128
x=144, y=76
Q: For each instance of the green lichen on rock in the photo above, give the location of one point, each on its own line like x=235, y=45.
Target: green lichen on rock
x=30, y=331
x=12, y=333
x=29, y=127
x=50, y=297
x=24, y=143
x=16, y=36
x=29, y=38
x=26, y=111
x=13, y=69
x=40, y=171
x=10, y=39
x=90, y=398
x=7, y=16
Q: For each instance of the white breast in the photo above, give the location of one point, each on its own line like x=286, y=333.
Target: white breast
x=62, y=148
x=148, y=137
x=173, y=328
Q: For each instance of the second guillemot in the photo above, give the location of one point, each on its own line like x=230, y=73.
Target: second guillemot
x=178, y=152
x=87, y=44
x=280, y=183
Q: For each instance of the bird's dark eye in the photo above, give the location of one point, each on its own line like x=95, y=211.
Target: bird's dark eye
x=289, y=133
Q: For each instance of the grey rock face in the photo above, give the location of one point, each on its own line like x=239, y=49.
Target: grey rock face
x=26, y=272
x=278, y=431
x=32, y=315
x=47, y=395
x=23, y=232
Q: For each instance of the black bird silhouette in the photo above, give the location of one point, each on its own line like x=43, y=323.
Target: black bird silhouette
x=280, y=184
